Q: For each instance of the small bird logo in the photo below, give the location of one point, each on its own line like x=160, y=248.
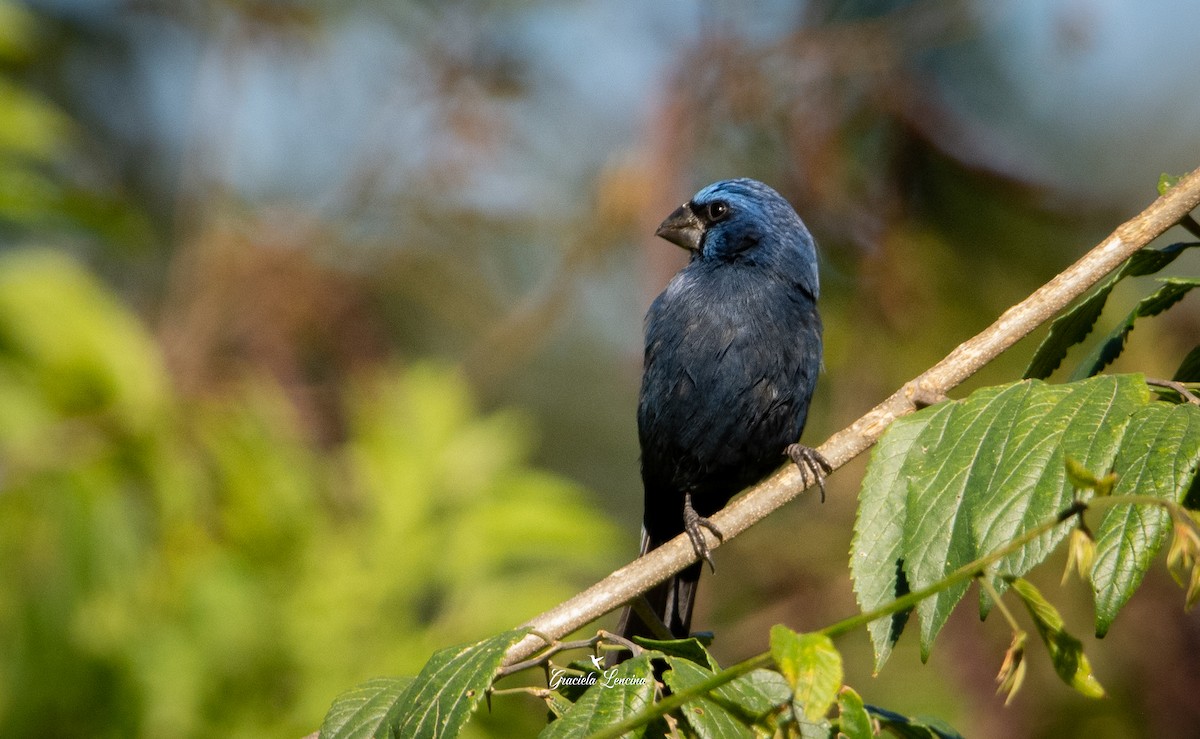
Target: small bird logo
x=596, y=662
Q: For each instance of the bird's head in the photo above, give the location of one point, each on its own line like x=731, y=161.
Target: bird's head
x=744, y=220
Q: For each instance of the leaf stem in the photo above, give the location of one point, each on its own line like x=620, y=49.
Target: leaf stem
x=986, y=584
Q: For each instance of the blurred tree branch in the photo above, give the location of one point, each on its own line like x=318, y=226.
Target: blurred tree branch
x=1017, y=322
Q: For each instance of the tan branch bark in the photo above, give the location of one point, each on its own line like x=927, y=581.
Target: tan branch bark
x=1016, y=323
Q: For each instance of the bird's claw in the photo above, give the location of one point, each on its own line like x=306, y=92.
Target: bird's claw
x=812, y=465
x=692, y=523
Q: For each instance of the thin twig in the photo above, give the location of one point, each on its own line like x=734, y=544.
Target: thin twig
x=985, y=583
x=544, y=656
x=1016, y=323
x=1178, y=387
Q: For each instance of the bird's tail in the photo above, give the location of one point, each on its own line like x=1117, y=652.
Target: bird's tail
x=671, y=601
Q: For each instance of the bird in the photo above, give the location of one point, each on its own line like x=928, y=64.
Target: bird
x=732, y=353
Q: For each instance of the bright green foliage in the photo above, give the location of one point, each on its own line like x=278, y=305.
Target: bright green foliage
x=813, y=668
x=1172, y=291
x=875, y=553
x=618, y=694
x=961, y=479
x=1074, y=325
x=200, y=568
x=1066, y=652
x=792, y=700
x=853, y=720
x=440, y=700
x=359, y=713
x=691, y=648
x=705, y=716
x=1159, y=458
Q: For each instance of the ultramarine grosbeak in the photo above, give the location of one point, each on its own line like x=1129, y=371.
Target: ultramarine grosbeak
x=733, y=348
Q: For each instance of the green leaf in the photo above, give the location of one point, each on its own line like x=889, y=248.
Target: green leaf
x=937, y=533
x=619, y=693
x=812, y=666
x=1189, y=368
x=1172, y=291
x=1083, y=421
x=1159, y=458
x=912, y=727
x=709, y=719
x=991, y=467
x=822, y=729
x=448, y=688
x=89, y=354
x=755, y=695
x=876, y=563
x=558, y=704
x=357, y=713
x=965, y=478
x=853, y=720
x=1066, y=652
x=1073, y=326
x=691, y=648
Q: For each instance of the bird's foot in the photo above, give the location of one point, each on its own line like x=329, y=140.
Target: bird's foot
x=692, y=523
x=813, y=466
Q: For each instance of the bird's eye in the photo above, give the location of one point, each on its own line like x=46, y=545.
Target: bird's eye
x=716, y=210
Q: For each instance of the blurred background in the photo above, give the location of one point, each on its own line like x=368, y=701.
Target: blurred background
x=320, y=323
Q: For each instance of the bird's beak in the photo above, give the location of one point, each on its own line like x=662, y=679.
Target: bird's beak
x=682, y=228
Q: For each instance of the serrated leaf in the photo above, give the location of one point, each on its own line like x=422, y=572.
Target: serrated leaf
x=450, y=685
x=618, y=694
x=1172, y=291
x=1073, y=325
x=966, y=477
x=812, y=666
x=690, y=648
x=1084, y=421
x=755, y=694
x=705, y=716
x=751, y=698
x=937, y=528
x=876, y=563
x=993, y=468
x=853, y=720
x=1158, y=458
x=1066, y=652
x=357, y=713
x=912, y=727
x=1189, y=368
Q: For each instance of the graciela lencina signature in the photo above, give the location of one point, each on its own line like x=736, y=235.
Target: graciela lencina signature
x=603, y=678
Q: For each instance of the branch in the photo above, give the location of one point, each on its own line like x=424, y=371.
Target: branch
x=1017, y=322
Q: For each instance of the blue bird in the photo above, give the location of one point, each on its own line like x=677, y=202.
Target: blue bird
x=733, y=348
